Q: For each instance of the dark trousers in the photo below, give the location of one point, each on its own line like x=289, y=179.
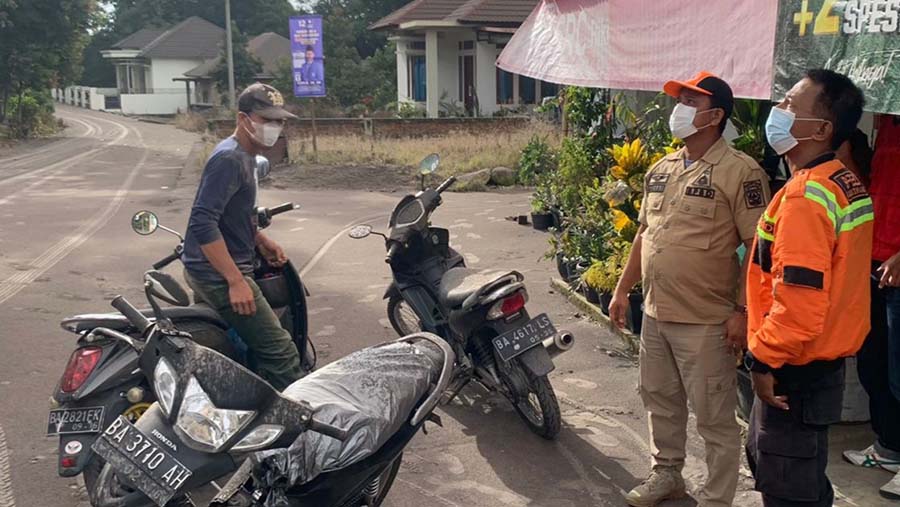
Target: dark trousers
x=788, y=449
x=879, y=366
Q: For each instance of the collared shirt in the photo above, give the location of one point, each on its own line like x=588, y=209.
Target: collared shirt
x=696, y=217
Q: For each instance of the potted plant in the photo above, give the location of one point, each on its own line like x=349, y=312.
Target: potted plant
x=542, y=202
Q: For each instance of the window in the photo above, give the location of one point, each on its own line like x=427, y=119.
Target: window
x=417, y=73
x=505, y=93
x=527, y=89
x=466, y=45
x=416, y=45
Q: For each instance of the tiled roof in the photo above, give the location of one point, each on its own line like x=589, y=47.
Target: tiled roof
x=270, y=49
x=138, y=39
x=486, y=12
x=192, y=39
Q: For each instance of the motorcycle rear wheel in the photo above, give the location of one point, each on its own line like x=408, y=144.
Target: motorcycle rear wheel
x=402, y=317
x=538, y=407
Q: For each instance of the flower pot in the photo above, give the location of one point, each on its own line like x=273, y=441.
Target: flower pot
x=636, y=312
x=541, y=221
x=605, y=300
x=591, y=295
x=557, y=218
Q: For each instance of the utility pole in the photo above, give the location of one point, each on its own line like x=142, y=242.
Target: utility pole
x=230, y=54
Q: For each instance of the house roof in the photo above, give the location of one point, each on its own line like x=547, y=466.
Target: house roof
x=194, y=38
x=479, y=12
x=269, y=48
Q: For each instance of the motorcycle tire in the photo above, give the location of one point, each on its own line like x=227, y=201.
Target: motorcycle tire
x=111, y=492
x=399, y=314
x=90, y=474
x=539, y=408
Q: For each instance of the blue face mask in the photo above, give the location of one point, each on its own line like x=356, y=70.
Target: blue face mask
x=778, y=130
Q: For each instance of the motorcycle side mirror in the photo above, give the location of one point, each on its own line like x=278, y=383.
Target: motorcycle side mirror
x=429, y=164
x=360, y=231
x=144, y=223
x=165, y=287
x=263, y=167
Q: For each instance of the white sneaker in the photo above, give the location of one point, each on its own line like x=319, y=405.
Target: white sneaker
x=869, y=458
x=891, y=490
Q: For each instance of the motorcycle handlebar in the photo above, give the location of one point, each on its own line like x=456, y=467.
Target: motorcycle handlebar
x=446, y=184
x=282, y=208
x=133, y=315
x=169, y=259
x=328, y=430
x=392, y=250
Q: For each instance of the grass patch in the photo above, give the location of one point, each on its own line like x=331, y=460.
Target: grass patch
x=460, y=152
x=192, y=122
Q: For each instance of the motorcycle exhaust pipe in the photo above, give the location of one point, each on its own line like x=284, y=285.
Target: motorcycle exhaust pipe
x=559, y=343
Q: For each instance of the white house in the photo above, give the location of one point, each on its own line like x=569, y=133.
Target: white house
x=148, y=62
x=446, y=53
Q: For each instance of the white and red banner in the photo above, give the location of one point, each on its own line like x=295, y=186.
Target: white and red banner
x=641, y=44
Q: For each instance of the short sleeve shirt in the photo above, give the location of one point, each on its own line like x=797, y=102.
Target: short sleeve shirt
x=696, y=216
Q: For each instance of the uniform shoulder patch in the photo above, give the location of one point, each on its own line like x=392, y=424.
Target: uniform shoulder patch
x=853, y=189
x=754, y=195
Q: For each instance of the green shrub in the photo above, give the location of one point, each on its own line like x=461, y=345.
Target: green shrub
x=537, y=159
x=31, y=115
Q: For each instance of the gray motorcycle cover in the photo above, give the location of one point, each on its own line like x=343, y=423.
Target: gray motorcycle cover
x=371, y=393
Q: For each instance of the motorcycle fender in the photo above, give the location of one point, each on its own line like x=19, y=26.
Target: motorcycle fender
x=78, y=446
x=392, y=291
x=537, y=361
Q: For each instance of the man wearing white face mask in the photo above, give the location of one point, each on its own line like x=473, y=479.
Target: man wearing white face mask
x=700, y=204
x=222, y=237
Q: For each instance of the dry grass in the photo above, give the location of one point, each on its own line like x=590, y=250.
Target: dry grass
x=192, y=122
x=460, y=152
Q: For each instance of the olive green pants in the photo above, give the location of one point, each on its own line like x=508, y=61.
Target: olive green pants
x=274, y=355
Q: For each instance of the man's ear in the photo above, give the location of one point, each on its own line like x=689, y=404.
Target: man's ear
x=824, y=132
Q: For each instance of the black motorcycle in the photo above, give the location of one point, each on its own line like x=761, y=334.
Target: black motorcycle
x=332, y=439
x=102, y=381
x=480, y=313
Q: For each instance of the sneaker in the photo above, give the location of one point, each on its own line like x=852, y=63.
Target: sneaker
x=869, y=458
x=891, y=490
x=664, y=483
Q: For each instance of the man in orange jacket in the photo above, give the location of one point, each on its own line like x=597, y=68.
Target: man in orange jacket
x=807, y=292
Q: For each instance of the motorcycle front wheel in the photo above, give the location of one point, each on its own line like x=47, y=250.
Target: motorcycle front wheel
x=536, y=404
x=402, y=317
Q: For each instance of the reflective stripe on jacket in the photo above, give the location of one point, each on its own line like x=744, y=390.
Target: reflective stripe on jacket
x=808, y=285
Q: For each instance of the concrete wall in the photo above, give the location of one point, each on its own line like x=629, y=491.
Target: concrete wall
x=402, y=72
x=486, y=77
x=83, y=96
x=165, y=103
x=163, y=70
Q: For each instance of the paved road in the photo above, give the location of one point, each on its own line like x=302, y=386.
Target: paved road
x=66, y=247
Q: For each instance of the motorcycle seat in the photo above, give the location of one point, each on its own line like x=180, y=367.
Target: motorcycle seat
x=119, y=322
x=371, y=393
x=458, y=284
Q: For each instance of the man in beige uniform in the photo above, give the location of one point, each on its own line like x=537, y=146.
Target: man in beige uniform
x=700, y=204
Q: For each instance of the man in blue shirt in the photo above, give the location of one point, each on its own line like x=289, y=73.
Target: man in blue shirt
x=222, y=237
x=311, y=71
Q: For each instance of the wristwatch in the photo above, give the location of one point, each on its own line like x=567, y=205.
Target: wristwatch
x=755, y=365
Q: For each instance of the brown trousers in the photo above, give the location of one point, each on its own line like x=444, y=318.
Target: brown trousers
x=683, y=363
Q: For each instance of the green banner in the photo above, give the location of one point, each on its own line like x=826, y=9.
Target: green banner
x=859, y=38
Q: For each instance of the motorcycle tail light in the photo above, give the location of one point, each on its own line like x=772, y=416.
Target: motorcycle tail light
x=509, y=305
x=81, y=364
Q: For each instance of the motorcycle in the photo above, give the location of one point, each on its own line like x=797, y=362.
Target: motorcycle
x=334, y=438
x=101, y=380
x=481, y=314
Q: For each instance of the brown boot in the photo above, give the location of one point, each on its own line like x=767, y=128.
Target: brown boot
x=664, y=483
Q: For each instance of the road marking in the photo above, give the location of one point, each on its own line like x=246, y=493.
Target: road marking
x=18, y=160
x=334, y=239
x=422, y=491
x=12, y=285
x=6, y=493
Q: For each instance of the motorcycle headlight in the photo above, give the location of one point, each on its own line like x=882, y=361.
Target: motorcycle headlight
x=165, y=384
x=258, y=438
x=205, y=424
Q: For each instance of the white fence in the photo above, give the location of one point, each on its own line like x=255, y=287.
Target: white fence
x=84, y=96
x=161, y=102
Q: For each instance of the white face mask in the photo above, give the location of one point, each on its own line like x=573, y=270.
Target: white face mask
x=681, y=122
x=267, y=133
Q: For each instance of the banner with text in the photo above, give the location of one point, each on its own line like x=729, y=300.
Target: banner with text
x=307, y=56
x=858, y=38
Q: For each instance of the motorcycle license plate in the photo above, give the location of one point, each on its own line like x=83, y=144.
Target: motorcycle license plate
x=144, y=461
x=517, y=341
x=67, y=421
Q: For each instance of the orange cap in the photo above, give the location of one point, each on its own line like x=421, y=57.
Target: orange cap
x=673, y=88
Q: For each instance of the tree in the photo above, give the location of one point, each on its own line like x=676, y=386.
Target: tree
x=246, y=67
x=42, y=44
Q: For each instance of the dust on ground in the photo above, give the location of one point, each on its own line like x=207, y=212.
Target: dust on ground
x=362, y=177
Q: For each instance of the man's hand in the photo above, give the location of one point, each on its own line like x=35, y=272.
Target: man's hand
x=736, y=333
x=241, y=296
x=273, y=253
x=618, y=308
x=890, y=272
x=764, y=387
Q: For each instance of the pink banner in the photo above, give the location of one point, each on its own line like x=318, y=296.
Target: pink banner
x=641, y=44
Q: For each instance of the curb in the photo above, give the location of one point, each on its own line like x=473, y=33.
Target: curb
x=631, y=340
